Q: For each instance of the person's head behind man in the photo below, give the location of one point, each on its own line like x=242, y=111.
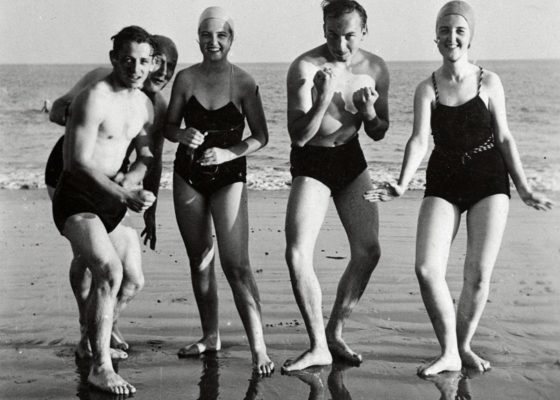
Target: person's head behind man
x=344, y=25
x=132, y=56
x=165, y=62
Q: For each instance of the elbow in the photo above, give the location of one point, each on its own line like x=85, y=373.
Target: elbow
x=169, y=133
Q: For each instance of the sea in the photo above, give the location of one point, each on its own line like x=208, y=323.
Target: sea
x=532, y=90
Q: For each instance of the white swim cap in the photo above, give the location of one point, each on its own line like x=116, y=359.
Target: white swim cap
x=217, y=13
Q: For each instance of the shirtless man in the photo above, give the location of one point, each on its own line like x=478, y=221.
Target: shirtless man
x=91, y=197
x=165, y=59
x=332, y=90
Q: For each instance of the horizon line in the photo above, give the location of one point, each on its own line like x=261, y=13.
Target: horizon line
x=275, y=62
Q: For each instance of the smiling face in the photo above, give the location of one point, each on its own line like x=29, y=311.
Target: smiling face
x=163, y=71
x=453, y=37
x=344, y=35
x=132, y=63
x=215, y=38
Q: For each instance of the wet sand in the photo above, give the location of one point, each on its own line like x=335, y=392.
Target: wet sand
x=518, y=333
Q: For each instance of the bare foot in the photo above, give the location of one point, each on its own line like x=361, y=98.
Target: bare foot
x=444, y=363
x=307, y=359
x=204, y=345
x=341, y=352
x=107, y=380
x=473, y=361
x=117, y=339
x=262, y=364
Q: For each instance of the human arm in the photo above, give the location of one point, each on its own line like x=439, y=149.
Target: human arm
x=415, y=149
x=305, y=111
x=172, y=131
x=59, y=109
x=252, y=107
x=373, y=103
x=506, y=144
x=153, y=176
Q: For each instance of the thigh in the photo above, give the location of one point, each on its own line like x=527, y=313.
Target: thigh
x=231, y=222
x=307, y=205
x=91, y=243
x=359, y=217
x=192, y=212
x=486, y=222
x=438, y=222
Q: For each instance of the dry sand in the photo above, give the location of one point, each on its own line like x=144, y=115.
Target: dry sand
x=518, y=333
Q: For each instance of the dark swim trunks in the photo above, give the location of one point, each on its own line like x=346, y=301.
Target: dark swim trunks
x=335, y=167
x=465, y=166
x=71, y=198
x=55, y=163
x=224, y=128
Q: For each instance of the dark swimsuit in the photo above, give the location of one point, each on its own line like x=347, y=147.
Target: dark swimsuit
x=72, y=197
x=224, y=128
x=465, y=166
x=335, y=167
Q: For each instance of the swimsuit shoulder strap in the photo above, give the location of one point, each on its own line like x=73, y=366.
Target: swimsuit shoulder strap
x=231, y=74
x=435, y=86
x=479, y=80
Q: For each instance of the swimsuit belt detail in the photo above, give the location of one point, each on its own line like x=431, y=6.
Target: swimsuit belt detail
x=467, y=156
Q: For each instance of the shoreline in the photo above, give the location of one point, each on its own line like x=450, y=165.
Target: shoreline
x=518, y=331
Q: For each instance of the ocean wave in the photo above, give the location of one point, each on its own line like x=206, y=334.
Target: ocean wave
x=272, y=178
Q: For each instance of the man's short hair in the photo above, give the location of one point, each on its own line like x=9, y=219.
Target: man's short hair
x=336, y=8
x=129, y=34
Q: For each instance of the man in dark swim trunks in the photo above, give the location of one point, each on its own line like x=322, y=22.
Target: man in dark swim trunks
x=332, y=90
x=165, y=57
x=89, y=203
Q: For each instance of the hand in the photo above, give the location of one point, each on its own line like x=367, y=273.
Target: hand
x=140, y=200
x=191, y=137
x=149, y=232
x=323, y=82
x=364, y=100
x=536, y=200
x=384, y=192
x=216, y=155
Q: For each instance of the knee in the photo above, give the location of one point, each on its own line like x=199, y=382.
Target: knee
x=133, y=282
x=428, y=274
x=474, y=279
x=367, y=254
x=200, y=260
x=237, y=269
x=108, y=274
x=297, y=257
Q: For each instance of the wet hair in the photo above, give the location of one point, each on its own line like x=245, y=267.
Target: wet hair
x=164, y=45
x=336, y=8
x=129, y=34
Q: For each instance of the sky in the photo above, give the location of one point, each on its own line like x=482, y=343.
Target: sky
x=79, y=31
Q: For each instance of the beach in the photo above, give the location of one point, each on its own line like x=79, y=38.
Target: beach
x=518, y=332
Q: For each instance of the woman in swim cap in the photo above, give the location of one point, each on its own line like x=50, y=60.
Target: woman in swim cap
x=214, y=98
x=463, y=106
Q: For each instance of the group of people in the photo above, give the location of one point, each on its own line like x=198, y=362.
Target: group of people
x=333, y=90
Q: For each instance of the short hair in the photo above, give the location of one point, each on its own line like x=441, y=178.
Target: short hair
x=336, y=8
x=129, y=34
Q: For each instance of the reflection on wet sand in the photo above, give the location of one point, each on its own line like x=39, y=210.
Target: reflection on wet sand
x=210, y=379
x=452, y=385
x=314, y=378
